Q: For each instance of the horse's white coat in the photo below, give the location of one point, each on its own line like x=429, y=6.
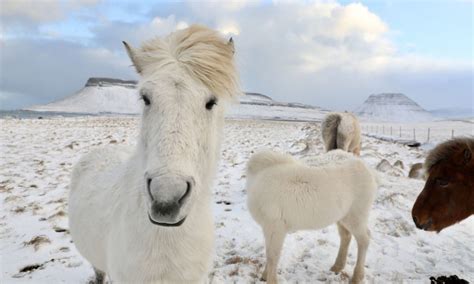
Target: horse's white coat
x=341, y=130
x=109, y=203
x=286, y=195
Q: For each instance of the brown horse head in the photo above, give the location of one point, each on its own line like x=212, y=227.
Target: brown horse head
x=448, y=195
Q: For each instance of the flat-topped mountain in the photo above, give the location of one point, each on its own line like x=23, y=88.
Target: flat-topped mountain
x=99, y=95
x=392, y=107
x=101, y=82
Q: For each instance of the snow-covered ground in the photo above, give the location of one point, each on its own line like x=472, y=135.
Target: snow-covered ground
x=278, y=112
x=36, y=161
x=438, y=131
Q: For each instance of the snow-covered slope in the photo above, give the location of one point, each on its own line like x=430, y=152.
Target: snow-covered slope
x=104, y=95
x=392, y=108
x=99, y=95
x=255, y=98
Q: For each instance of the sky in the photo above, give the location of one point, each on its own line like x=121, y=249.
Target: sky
x=332, y=54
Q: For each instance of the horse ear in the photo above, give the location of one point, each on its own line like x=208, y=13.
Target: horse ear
x=231, y=44
x=132, y=54
x=467, y=156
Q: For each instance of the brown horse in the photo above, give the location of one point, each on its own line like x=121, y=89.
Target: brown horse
x=448, y=195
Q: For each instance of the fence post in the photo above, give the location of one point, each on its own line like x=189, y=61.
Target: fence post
x=400, y=132
x=391, y=131
x=428, y=140
x=414, y=135
x=452, y=133
x=383, y=129
x=377, y=129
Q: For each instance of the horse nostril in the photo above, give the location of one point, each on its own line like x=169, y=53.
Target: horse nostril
x=428, y=224
x=415, y=220
x=148, y=182
x=186, y=194
x=164, y=208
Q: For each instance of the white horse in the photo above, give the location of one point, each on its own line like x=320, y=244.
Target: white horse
x=143, y=215
x=286, y=195
x=341, y=131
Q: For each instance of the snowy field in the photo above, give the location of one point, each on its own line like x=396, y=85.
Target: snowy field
x=35, y=245
x=438, y=130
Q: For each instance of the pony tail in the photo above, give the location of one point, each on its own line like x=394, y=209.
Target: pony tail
x=329, y=130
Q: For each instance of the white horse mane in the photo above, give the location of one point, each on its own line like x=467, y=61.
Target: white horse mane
x=202, y=52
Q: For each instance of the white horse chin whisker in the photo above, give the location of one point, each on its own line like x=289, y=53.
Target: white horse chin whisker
x=165, y=224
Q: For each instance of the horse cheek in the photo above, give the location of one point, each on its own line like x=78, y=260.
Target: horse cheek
x=462, y=208
x=420, y=202
x=444, y=214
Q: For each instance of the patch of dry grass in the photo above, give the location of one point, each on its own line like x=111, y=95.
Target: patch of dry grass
x=37, y=241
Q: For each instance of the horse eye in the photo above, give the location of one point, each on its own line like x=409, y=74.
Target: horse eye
x=442, y=182
x=211, y=103
x=146, y=100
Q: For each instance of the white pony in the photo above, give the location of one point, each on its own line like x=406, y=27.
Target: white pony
x=286, y=195
x=341, y=131
x=143, y=215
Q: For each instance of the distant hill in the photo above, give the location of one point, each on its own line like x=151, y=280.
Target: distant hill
x=108, y=95
x=453, y=112
x=392, y=107
x=99, y=95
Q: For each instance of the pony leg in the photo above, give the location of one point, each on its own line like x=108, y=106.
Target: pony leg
x=341, y=258
x=362, y=237
x=99, y=277
x=273, y=243
x=357, y=151
x=343, y=142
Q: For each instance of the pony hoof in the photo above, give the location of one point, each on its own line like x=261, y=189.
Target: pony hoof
x=98, y=278
x=263, y=278
x=337, y=268
x=357, y=279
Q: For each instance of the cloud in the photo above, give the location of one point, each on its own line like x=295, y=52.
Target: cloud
x=41, y=11
x=204, y=8
x=318, y=51
x=39, y=71
x=321, y=53
x=111, y=33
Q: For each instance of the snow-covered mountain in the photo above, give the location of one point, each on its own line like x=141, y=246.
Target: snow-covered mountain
x=99, y=95
x=392, y=107
x=105, y=95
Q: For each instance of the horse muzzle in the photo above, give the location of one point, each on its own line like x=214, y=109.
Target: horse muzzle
x=177, y=224
x=169, y=197
x=425, y=225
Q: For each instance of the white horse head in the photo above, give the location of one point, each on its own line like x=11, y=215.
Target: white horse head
x=186, y=80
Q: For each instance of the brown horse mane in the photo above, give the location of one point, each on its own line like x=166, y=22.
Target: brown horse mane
x=444, y=150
